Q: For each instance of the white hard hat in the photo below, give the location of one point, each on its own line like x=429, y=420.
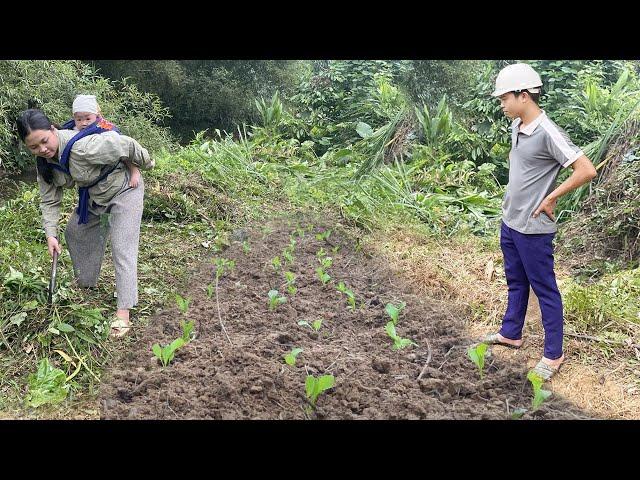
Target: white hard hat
x=517, y=77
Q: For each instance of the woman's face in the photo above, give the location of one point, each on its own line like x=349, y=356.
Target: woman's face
x=42, y=143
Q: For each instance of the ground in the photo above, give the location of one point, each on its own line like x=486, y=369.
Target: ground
x=245, y=376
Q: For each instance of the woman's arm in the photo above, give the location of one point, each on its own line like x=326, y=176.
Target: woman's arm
x=50, y=202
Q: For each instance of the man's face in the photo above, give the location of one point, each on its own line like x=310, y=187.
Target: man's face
x=43, y=143
x=510, y=104
x=84, y=119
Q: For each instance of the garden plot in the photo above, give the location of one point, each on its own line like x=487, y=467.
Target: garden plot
x=298, y=325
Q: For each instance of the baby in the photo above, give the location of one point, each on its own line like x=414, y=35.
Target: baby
x=85, y=112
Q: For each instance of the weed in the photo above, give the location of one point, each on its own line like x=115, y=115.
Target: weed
x=183, y=303
x=245, y=247
x=47, y=385
x=323, y=235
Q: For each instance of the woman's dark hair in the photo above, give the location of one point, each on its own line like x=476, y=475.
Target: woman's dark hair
x=27, y=122
x=30, y=120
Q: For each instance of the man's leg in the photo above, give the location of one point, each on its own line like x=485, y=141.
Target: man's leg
x=537, y=256
x=86, y=244
x=518, y=285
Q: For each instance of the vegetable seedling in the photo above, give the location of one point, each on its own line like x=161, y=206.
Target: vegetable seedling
x=165, y=354
x=287, y=254
x=183, y=303
x=476, y=354
x=321, y=253
x=276, y=263
x=351, y=299
x=290, y=357
x=322, y=275
x=315, y=386
x=187, y=328
x=315, y=325
x=323, y=235
x=326, y=262
x=210, y=290
x=275, y=300
x=539, y=395
x=245, y=247
x=222, y=266
x=291, y=280
x=398, y=342
x=394, y=311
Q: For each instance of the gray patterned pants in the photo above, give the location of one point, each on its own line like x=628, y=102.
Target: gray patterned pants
x=87, y=244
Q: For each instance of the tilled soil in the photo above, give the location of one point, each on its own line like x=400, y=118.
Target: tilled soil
x=212, y=379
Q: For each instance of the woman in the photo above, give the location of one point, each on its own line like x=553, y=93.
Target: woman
x=95, y=163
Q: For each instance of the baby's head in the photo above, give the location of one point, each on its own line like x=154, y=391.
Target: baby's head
x=85, y=111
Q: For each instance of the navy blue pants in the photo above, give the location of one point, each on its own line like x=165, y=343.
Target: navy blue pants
x=528, y=261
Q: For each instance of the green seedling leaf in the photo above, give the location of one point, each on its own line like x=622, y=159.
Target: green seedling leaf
x=222, y=266
x=274, y=299
x=394, y=311
x=187, y=328
x=323, y=235
x=245, y=247
x=287, y=254
x=165, y=354
x=323, y=276
x=183, y=303
x=317, y=324
x=518, y=413
x=476, y=354
x=210, y=290
x=315, y=386
x=65, y=327
x=290, y=277
x=47, y=385
x=18, y=318
x=326, y=262
x=291, y=290
x=276, y=263
x=539, y=395
x=321, y=253
x=290, y=357
x=398, y=342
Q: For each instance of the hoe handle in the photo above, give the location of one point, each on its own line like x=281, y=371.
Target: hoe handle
x=52, y=282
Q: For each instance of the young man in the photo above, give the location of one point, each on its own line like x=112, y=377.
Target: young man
x=539, y=150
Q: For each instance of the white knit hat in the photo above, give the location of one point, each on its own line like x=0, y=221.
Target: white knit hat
x=85, y=103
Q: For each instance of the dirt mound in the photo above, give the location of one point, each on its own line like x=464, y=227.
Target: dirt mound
x=209, y=378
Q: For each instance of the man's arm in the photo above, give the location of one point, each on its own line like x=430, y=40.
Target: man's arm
x=583, y=172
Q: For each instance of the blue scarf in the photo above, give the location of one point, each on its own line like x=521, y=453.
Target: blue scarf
x=99, y=126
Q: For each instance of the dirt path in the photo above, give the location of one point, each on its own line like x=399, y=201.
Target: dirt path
x=210, y=378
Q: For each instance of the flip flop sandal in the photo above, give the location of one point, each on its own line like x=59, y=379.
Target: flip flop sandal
x=122, y=327
x=494, y=339
x=545, y=371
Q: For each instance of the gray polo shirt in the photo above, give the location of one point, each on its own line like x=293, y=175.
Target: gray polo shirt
x=538, y=152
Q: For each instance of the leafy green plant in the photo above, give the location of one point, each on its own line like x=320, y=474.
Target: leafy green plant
x=187, y=328
x=539, y=395
x=315, y=325
x=322, y=275
x=47, y=385
x=394, y=311
x=326, y=262
x=287, y=254
x=276, y=263
x=165, y=354
x=210, y=290
x=290, y=357
x=245, y=247
x=351, y=298
x=321, y=253
x=323, y=235
x=183, y=303
x=275, y=300
x=291, y=280
x=223, y=266
x=398, y=342
x=315, y=386
x=476, y=354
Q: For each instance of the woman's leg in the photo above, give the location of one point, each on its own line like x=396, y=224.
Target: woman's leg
x=86, y=244
x=125, y=218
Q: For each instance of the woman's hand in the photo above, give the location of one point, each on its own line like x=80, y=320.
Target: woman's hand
x=52, y=243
